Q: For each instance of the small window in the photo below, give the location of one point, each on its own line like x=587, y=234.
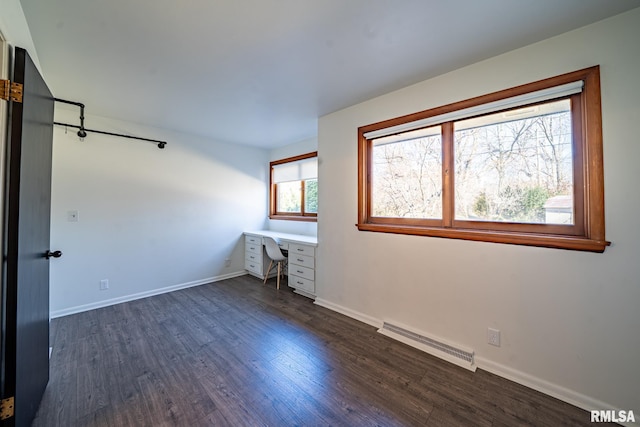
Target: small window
x=294, y=188
x=521, y=166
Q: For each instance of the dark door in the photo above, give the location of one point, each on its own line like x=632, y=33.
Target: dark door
x=26, y=248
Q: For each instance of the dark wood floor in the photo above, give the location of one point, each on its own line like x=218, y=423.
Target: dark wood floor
x=237, y=353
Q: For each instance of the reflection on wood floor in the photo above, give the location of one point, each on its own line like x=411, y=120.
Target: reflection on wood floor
x=237, y=353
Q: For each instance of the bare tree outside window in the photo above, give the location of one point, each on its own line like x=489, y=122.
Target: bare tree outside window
x=408, y=177
x=520, y=166
x=507, y=169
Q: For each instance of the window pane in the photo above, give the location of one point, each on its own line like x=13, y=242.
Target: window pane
x=311, y=196
x=289, y=196
x=516, y=166
x=407, y=175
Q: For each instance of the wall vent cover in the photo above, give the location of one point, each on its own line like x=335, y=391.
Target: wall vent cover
x=444, y=350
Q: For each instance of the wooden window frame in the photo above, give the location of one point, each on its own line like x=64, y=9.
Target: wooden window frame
x=588, y=232
x=273, y=191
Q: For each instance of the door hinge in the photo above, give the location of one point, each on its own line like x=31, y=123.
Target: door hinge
x=10, y=91
x=6, y=408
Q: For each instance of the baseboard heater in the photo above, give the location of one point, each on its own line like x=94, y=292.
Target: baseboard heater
x=436, y=346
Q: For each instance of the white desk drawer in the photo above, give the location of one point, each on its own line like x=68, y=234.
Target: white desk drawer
x=253, y=257
x=303, y=260
x=304, y=272
x=253, y=248
x=255, y=267
x=253, y=240
x=295, y=248
x=302, y=284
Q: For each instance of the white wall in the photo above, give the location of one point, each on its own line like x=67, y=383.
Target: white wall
x=291, y=150
x=149, y=219
x=14, y=28
x=569, y=320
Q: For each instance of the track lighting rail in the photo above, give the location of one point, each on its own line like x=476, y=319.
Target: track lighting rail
x=82, y=130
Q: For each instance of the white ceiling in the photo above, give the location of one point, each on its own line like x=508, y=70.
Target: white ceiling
x=260, y=72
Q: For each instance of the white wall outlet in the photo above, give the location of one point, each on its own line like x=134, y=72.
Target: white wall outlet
x=73, y=216
x=493, y=337
x=104, y=284
x=227, y=262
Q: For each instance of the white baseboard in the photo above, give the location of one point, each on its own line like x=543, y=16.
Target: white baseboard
x=139, y=295
x=350, y=313
x=304, y=294
x=566, y=395
x=554, y=390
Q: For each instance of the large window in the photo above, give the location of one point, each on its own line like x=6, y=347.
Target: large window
x=294, y=188
x=521, y=166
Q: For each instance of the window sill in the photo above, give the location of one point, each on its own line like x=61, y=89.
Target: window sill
x=294, y=218
x=541, y=240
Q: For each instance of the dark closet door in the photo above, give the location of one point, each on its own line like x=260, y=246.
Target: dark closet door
x=27, y=210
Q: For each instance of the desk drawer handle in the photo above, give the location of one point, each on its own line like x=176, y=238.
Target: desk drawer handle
x=301, y=272
x=300, y=283
x=300, y=250
x=300, y=260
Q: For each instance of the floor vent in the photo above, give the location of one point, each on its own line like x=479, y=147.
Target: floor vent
x=437, y=347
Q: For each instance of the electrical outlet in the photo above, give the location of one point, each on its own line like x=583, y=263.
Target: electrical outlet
x=104, y=284
x=493, y=337
x=227, y=262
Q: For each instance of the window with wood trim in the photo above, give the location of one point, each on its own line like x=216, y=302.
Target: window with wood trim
x=521, y=166
x=294, y=188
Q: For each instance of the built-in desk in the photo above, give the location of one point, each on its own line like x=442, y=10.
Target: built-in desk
x=301, y=259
